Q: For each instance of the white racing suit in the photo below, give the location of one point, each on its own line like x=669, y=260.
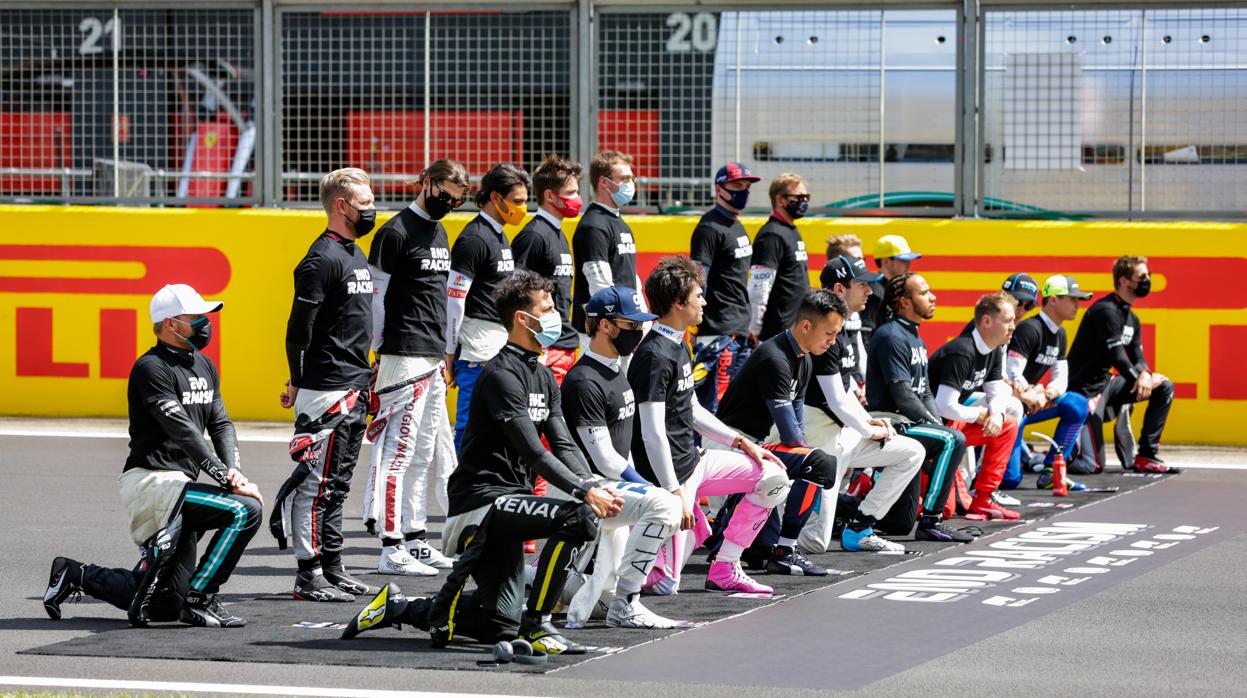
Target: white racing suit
x=413, y=451
x=627, y=546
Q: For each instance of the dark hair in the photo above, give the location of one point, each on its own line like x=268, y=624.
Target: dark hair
x=552, y=175
x=1123, y=268
x=501, y=178
x=602, y=164
x=671, y=281
x=898, y=288
x=991, y=304
x=446, y=170
x=819, y=303
x=516, y=293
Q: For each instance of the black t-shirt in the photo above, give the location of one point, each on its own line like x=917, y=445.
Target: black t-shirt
x=896, y=353
x=542, y=248
x=776, y=370
x=779, y=246
x=872, y=314
x=661, y=370
x=959, y=365
x=852, y=333
x=721, y=244
x=601, y=236
x=414, y=252
x=172, y=380
x=1108, y=328
x=1040, y=346
x=334, y=275
x=594, y=395
x=514, y=384
x=838, y=361
x=483, y=255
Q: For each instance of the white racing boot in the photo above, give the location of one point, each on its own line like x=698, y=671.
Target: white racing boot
x=396, y=560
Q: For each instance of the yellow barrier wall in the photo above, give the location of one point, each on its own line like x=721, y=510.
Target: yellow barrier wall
x=75, y=284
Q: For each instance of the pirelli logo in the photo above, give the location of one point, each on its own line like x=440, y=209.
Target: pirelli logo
x=114, y=284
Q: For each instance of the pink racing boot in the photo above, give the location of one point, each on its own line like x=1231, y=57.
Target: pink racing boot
x=729, y=577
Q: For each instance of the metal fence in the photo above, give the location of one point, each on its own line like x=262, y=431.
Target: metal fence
x=127, y=105
x=999, y=112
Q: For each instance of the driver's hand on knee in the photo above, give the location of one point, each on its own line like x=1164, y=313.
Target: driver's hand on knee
x=603, y=502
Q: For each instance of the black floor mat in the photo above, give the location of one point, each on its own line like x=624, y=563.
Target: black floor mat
x=297, y=632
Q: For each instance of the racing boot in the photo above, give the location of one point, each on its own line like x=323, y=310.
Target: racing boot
x=388, y=608
x=208, y=612
x=627, y=611
x=64, y=584
x=335, y=572
x=152, y=602
x=545, y=638
x=311, y=585
x=728, y=576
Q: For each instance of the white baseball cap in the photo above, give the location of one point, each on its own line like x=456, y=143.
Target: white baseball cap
x=180, y=299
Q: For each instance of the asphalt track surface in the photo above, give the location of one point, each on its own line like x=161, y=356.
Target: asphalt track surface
x=1159, y=613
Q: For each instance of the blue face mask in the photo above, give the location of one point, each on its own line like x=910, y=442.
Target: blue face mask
x=735, y=199
x=551, y=328
x=623, y=194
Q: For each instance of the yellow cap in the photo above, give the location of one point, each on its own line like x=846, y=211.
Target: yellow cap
x=894, y=246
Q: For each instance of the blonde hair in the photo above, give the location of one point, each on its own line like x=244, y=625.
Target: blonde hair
x=780, y=184
x=340, y=183
x=839, y=244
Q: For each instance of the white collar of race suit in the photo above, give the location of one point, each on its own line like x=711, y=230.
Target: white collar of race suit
x=1052, y=325
x=669, y=332
x=979, y=344
x=612, y=364
x=415, y=208
x=492, y=223
x=556, y=222
x=613, y=211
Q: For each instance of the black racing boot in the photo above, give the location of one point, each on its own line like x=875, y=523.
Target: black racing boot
x=64, y=584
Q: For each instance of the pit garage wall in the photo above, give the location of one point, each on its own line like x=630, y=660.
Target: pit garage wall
x=75, y=284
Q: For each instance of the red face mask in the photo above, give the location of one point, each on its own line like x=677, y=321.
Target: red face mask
x=568, y=207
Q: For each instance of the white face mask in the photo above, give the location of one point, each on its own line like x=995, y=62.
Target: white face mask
x=551, y=328
x=623, y=194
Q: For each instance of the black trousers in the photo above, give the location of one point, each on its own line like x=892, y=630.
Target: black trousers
x=493, y=556
x=945, y=448
x=235, y=520
x=1118, y=393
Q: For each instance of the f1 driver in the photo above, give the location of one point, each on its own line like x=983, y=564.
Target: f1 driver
x=492, y=512
x=174, y=397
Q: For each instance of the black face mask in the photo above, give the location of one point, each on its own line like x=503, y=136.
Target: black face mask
x=436, y=208
x=1144, y=287
x=796, y=208
x=201, y=333
x=626, y=341
x=366, y=221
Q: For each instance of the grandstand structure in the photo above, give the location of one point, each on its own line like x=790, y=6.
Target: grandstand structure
x=991, y=108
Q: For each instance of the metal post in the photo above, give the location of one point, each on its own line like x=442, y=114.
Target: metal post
x=883, y=98
x=584, y=104
x=428, y=87
x=736, y=156
x=267, y=160
x=116, y=104
x=1143, y=121
x=968, y=150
